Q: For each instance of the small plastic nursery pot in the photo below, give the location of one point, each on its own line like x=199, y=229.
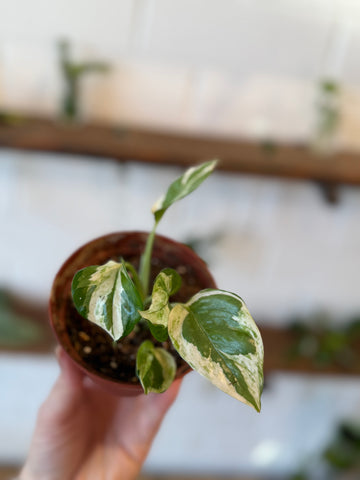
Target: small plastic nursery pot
x=128, y=246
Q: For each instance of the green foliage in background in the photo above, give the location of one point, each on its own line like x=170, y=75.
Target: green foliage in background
x=16, y=330
x=72, y=72
x=340, y=459
x=325, y=344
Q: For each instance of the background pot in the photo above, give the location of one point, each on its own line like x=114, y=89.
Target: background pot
x=129, y=246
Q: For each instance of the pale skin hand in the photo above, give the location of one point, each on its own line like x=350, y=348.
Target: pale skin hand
x=85, y=433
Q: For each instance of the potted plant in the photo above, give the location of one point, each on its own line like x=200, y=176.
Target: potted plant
x=137, y=310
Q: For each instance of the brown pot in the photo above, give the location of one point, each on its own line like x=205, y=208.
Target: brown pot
x=129, y=246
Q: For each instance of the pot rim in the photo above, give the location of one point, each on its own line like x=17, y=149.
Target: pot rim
x=80, y=257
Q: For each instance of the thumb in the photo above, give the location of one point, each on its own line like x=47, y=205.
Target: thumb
x=157, y=406
x=160, y=403
x=144, y=419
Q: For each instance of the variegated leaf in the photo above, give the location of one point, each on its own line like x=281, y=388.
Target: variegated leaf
x=182, y=187
x=166, y=284
x=107, y=296
x=155, y=368
x=215, y=334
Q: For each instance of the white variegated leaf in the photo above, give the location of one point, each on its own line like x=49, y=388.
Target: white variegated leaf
x=216, y=335
x=155, y=368
x=166, y=284
x=107, y=296
x=182, y=187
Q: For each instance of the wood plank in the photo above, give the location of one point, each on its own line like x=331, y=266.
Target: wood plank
x=278, y=342
x=127, y=143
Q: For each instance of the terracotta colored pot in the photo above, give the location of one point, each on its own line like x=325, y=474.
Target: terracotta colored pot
x=127, y=245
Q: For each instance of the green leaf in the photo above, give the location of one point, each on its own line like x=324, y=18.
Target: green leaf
x=166, y=284
x=179, y=189
x=107, y=296
x=155, y=368
x=182, y=187
x=135, y=278
x=159, y=332
x=215, y=334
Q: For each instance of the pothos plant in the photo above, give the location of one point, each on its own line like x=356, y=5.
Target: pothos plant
x=213, y=332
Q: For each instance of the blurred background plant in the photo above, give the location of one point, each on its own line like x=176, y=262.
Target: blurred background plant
x=341, y=458
x=327, y=116
x=72, y=74
x=326, y=342
x=16, y=330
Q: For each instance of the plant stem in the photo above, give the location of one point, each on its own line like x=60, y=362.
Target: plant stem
x=135, y=278
x=145, y=262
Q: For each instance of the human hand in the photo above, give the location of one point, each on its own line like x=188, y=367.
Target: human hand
x=85, y=433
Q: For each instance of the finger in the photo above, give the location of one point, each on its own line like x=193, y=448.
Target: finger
x=157, y=405
x=163, y=401
x=143, y=418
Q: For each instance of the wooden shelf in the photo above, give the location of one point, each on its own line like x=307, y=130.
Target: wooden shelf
x=37, y=314
x=278, y=342
x=125, y=143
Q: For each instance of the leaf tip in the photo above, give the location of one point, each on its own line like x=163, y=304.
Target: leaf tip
x=213, y=163
x=257, y=406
